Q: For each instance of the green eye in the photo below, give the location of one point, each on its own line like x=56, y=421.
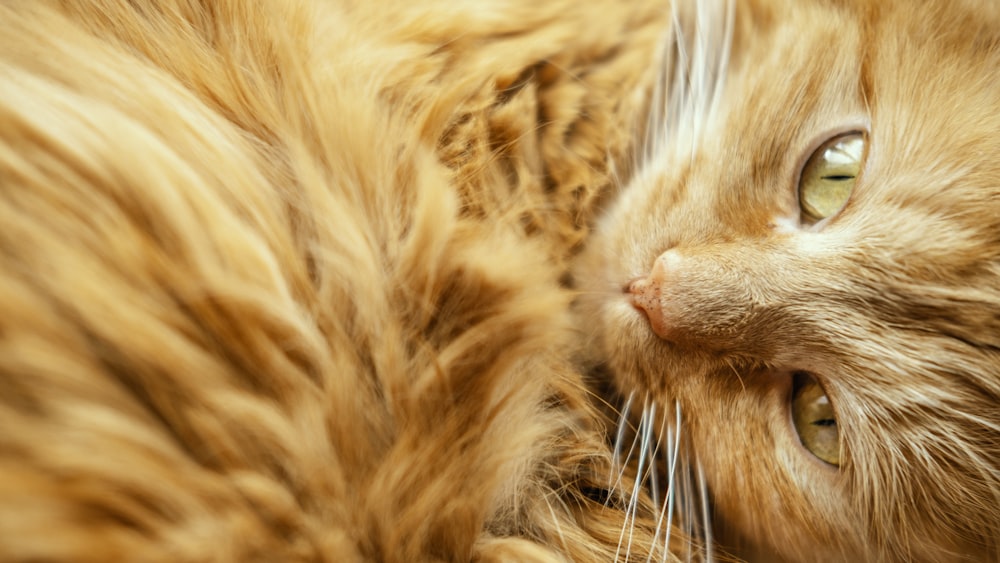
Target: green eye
x=814, y=419
x=828, y=177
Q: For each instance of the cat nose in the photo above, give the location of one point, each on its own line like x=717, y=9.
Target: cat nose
x=641, y=294
x=646, y=295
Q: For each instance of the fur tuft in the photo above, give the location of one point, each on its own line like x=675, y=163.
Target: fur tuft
x=281, y=280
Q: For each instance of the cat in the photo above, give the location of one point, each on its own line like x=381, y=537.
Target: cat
x=285, y=280
x=799, y=285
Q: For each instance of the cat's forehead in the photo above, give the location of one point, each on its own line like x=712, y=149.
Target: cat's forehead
x=792, y=79
x=923, y=88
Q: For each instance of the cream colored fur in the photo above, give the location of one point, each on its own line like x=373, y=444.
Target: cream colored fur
x=279, y=280
x=290, y=280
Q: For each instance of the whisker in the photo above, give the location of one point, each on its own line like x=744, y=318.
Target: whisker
x=661, y=509
x=632, y=506
x=619, y=466
x=685, y=100
x=672, y=454
x=687, y=506
x=654, y=479
x=645, y=452
x=705, y=515
x=687, y=92
x=736, y=372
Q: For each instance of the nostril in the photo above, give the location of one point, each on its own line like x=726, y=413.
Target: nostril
x=635, y=284
x=652, y=295
x=643, y=295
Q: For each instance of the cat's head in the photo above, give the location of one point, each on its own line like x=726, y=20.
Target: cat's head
x=808, y=263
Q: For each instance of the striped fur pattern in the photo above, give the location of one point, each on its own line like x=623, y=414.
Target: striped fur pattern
x=283, y=280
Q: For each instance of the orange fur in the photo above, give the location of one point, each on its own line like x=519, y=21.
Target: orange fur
x=280, y=279
x=287, y=280
x=893, y=304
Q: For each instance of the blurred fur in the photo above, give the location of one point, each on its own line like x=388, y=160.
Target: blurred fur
x=893, y=304
x=280, y=280
x=287, y=280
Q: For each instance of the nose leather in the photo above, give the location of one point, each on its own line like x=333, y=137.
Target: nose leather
x=646, y=294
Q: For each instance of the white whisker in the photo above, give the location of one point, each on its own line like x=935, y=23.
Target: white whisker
x=705, y=515
x=685, y=103
x=654, y=478
x=647, y=444
x=663, y=508
x=618, y=468
x=686, y=95
x=672, y=454
x=633, y=501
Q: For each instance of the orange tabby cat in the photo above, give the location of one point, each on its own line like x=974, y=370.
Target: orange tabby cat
x=805, y=272
x=279, y=279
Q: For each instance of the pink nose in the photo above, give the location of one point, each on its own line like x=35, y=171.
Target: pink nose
x=647, y=294
x=644, y=295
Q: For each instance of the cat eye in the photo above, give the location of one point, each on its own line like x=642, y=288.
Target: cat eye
x=828, y=178
x=814, y=419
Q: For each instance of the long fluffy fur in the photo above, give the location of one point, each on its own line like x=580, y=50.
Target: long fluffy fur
x=281, y=280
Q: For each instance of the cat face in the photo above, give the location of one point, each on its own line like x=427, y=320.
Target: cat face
x=810, y=268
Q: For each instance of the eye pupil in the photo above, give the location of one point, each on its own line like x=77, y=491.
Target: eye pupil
x=838, y=178
x=825, y=422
